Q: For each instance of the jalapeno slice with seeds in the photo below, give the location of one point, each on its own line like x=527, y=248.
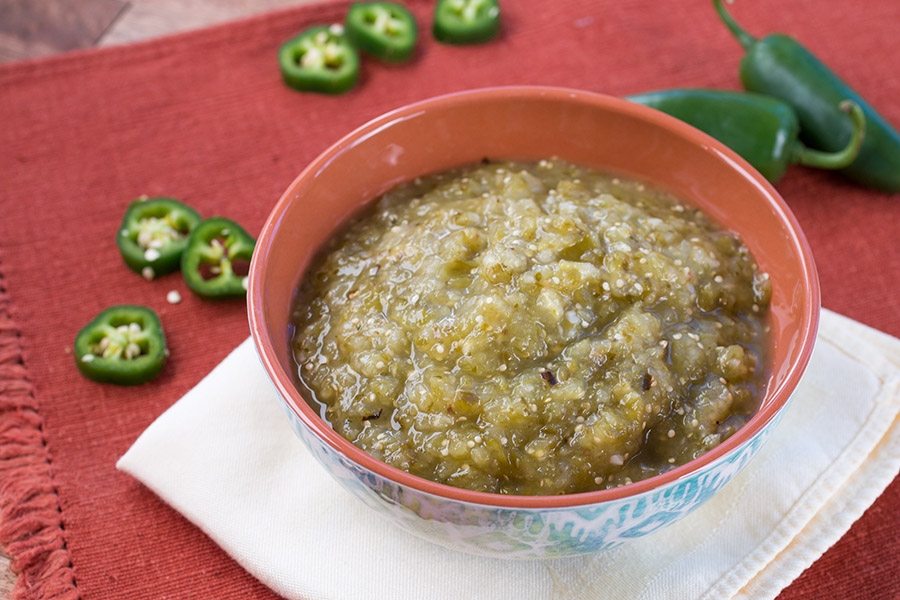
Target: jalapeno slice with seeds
x=321, y=59
x=216, y=261
x=123, y=345
x=385, y=30
x=154, y=233
x=466, y=21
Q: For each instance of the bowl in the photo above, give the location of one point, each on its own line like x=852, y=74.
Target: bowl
x=531, y=122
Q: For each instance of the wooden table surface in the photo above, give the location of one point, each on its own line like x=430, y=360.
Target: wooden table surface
x=37, y=28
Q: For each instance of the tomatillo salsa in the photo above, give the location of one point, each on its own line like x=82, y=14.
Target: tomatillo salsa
x=532, y=328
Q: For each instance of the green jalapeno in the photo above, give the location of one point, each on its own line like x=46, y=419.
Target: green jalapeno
x=778, y=66
x=217, y=259
x=466, y=21
x=321, y=59
x=385, y=30
x=124, y=345
x=762, y=129
x=154, y=233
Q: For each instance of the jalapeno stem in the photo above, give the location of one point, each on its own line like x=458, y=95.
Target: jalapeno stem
x=746, y=40
x=842, y=158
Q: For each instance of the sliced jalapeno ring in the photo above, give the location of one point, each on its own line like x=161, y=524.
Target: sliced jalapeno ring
x=154, y=233
x=124, y=345
x=321, y=59
x=216, y=261
x=466, y=21
x=385, y=30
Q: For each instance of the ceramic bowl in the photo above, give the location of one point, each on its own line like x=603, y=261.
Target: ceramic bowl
x=588, y=129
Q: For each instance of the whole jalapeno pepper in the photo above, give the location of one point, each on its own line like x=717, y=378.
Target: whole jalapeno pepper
x=124, y=345
x=154, y=233
x=321, y=59
x=217, y=259
x=466, y=21
x=762, y=129
x=777, y=65
x=385, y=30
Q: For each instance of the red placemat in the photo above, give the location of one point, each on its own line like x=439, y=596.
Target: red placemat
x=204, y=117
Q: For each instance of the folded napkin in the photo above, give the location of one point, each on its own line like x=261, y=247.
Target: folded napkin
x=225, y=457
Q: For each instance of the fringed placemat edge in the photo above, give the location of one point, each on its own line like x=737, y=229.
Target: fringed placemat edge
x=31, y=527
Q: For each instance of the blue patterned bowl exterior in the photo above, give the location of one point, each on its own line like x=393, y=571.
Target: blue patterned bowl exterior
x=530, y=533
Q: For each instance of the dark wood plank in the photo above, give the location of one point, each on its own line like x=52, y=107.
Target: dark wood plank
x=31, y=28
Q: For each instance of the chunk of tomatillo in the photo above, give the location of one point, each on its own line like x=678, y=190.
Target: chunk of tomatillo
x=123, y=345
x=216, y=262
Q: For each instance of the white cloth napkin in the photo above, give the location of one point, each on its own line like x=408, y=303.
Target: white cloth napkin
x=225, y=457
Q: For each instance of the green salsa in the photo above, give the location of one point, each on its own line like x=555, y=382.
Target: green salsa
x=532, y=328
